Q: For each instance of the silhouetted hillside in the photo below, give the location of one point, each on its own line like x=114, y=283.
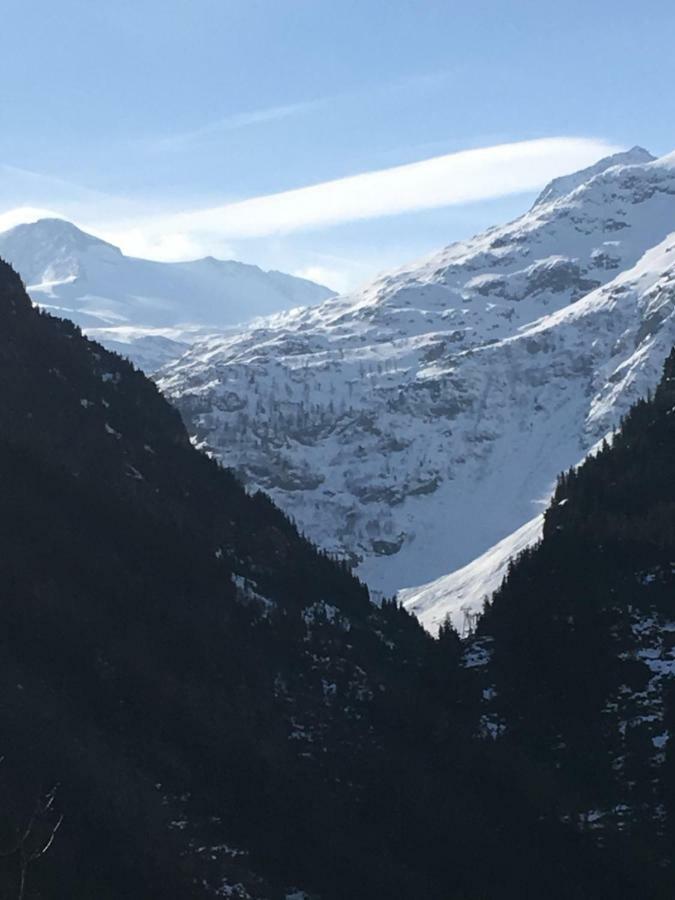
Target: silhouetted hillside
x=213, y=706
x=579, y=643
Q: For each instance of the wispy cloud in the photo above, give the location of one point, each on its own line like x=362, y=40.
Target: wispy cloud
x=456, y=178
x=183, y=139
x=415, y=82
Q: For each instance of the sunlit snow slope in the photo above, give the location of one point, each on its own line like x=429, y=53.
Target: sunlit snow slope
x=415, y=424
x=460, y=595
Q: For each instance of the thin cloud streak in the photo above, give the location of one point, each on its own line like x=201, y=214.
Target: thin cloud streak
x=453, y=179
x=423, y=81
x=182, y=140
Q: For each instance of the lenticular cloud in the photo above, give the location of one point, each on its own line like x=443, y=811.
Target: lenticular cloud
x=452, y=179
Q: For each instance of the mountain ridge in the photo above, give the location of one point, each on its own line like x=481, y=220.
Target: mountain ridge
x=565, y=184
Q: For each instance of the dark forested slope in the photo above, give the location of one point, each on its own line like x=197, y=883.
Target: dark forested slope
x=578, y=647
x=213, y=706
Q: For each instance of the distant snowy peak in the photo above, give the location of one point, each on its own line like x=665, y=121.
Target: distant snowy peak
x=53, y=236
x=50, y=251
x=564, y=185
x=83, y=278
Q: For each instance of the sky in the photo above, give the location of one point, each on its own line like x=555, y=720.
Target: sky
x=328, y=139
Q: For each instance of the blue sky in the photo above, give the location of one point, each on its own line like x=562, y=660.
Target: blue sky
x=132, y=118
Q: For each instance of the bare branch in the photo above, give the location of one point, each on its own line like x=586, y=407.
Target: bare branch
x=42, y=812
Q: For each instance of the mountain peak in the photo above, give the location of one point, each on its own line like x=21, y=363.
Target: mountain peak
x=565, y=184
x=50, y=230
x=96, y=285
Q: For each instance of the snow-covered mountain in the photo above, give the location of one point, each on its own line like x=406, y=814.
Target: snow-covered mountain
x=415, y=424
x=149, y=310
